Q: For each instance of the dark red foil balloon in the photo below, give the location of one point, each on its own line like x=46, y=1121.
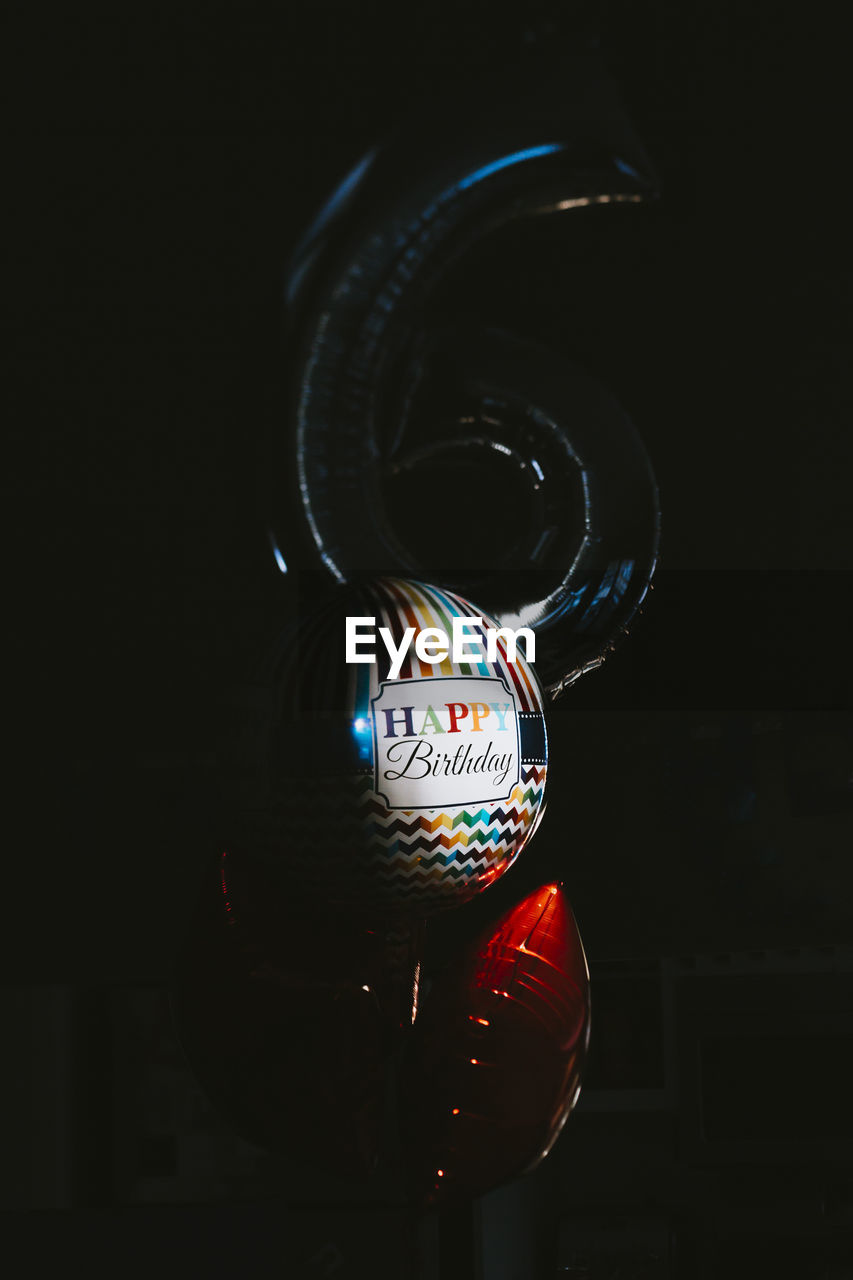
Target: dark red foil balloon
x=289, y=1017
x=496, y=1053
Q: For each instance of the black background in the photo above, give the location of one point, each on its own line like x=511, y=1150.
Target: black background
x=163, y=165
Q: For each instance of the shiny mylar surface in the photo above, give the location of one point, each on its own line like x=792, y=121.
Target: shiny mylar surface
x=432, y=447
x=494, y=1065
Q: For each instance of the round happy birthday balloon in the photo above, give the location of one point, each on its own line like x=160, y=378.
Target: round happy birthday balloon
x=400, y=779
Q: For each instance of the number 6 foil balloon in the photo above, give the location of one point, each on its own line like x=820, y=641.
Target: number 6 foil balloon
x=409, y=427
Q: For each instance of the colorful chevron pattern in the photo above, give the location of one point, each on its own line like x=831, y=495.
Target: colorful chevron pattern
x=396, y=859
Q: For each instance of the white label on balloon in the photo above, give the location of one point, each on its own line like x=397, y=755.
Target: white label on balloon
x=440, y=742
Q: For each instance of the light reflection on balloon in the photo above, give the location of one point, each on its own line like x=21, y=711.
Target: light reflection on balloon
x=496, y=1056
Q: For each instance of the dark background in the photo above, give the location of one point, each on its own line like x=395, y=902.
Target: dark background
x=700, y=808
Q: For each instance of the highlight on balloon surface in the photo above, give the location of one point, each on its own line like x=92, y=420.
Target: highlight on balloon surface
x=399, y=787
x=428, y=446
x=493, y=1067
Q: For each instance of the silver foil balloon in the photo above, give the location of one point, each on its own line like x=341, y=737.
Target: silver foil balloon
x=403, y=418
